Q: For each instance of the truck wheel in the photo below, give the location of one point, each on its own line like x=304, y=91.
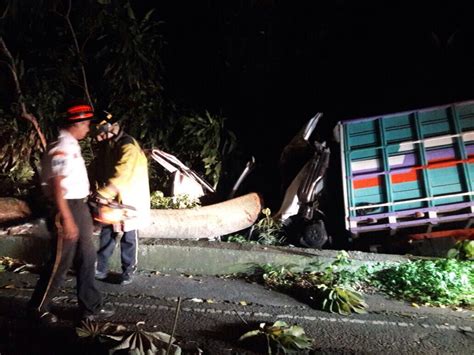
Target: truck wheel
x=314, y=235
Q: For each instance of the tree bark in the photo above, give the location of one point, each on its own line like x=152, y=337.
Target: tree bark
x=12, y=209
x=195, y=223
x=205, y=222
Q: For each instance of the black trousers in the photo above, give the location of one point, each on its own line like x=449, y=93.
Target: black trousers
x=128, y=249
x=78, y=253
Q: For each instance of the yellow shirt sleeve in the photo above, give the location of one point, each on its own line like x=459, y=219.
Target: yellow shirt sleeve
x=123, y=171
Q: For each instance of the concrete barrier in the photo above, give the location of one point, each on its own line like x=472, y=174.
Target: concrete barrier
x=197, y=257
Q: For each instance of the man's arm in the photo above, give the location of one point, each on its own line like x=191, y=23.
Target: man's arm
x=70, y=230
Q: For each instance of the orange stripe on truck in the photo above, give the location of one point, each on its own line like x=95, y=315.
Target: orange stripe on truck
x=407, y=176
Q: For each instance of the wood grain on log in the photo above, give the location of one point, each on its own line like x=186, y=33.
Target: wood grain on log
x=205, y=222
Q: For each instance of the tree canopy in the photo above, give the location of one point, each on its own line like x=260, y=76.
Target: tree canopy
x=109, y=53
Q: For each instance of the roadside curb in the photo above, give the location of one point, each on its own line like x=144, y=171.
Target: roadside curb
x=217, y=258
x=198, y=257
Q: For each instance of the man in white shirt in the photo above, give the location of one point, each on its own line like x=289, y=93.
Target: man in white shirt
x=65, y=182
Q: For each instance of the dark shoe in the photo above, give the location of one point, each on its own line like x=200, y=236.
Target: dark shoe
x=102, y=313
x=48, y=318
x=127, y=279
x=45, y=318
x=99, y=275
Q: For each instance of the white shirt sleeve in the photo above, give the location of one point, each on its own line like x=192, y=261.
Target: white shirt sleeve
x=59, y=163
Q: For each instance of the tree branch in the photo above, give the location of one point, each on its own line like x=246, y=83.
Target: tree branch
x=5, y=12
x=24, y=113
x=78, y=51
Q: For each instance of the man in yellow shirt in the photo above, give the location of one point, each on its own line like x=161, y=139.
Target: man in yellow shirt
x=120, y=174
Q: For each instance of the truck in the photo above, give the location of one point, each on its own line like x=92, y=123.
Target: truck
x=409, y=173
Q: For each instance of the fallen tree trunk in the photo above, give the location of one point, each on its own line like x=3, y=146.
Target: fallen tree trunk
x=12, y=209
x=205, y=222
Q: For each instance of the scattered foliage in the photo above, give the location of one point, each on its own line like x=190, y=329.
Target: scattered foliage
x=142, y=342
x=267, y=231
x=283, y=337
x=341, y=300
x=439, y=282
x=91, y=330
x=239, y=238
x=463, y=250
x=430, y=282
x=159, y=201
x=323, y=288
x=14, y=265
x=138, y=341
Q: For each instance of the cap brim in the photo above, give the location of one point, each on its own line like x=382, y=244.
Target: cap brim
x=85, y=119
x=78, y=120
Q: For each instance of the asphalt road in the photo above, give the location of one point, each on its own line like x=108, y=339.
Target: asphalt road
x=216, y=311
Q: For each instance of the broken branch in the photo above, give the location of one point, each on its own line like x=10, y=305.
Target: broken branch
x=24, y=113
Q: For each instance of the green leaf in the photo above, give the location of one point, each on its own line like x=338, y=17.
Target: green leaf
x=295, y=331
x=279, y=324
x=250, y=334
x=288, y=338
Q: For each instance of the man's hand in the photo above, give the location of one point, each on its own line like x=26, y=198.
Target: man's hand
x=69, y=229
x=108, y=192
x=99, y=199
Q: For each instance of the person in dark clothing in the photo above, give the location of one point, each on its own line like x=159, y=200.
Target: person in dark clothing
x=66, y=184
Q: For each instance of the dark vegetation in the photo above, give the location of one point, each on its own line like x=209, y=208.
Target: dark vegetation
x=106, y=51
x=183, y=74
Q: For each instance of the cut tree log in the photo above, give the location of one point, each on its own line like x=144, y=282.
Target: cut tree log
x=195, y=223
x=12, y=209
x=205, y=222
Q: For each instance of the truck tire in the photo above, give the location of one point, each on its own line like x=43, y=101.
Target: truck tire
x=308, y=234
x=314, y=235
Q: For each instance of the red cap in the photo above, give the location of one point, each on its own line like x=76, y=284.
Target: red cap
x=78, y=113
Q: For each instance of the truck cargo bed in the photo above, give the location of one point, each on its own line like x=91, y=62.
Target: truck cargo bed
x=409, y=169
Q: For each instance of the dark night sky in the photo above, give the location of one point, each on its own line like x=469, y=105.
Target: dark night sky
x=270, y=65
x=262, y=62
